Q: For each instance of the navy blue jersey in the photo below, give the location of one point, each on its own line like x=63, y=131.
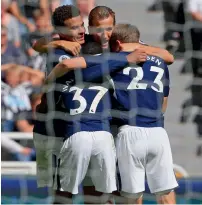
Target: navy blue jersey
x=82, y=106
x=139, y=91
x=50, y=115
x=88, y=104
x=88, y=107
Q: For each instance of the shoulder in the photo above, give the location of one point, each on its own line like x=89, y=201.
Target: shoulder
x=60, y=55
x=155, y=61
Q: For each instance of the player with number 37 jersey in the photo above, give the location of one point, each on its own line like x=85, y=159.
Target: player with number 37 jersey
x=88, y=106
x=88, y=142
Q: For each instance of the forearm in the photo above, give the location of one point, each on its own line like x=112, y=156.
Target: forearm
x=31, y=71
x=44, y=6
x=64, y=67
x=98, y=66
x=7, y=66
x=162, y=53
x=10, y=144
x=43, y=45
x=15, y=11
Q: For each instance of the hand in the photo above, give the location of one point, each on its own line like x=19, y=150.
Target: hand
x=31, y=27
x=72, y=47
x=137, y=56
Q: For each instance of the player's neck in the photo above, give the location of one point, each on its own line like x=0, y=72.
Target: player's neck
x=126, y=47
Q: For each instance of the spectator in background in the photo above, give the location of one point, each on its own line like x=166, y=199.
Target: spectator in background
x=43, y=28
x=14, y=98
x=11, y=23
x=30, y=6
x=25, y=121
x=9, y=53
x=14, y=57
x=195, y=9
x=18, y=81
x=85, y=6
x=57, y=3
x=16, y=104
x=12, y=7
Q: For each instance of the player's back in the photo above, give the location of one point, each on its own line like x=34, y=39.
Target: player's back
x=88, y=107
x=87, y=104
x=140, y=91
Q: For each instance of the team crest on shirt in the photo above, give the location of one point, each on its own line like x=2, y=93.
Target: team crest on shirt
x=63, y=57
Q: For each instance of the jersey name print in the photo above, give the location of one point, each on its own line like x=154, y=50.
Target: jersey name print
x=140, y=91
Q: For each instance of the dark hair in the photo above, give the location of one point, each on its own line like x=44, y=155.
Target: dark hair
x=100, y=13
x=125, y=33
x=91, y=48
x=63, y=13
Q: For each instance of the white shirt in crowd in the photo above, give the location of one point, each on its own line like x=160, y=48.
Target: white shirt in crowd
x=194, y=6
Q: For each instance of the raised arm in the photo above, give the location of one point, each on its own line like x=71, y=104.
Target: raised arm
x=97, y=66
x=160, y=52
x=150, y=50
x=13, y=8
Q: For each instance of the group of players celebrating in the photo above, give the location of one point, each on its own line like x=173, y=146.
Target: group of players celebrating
x=105, y=77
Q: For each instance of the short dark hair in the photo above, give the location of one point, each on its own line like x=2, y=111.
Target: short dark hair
x=91, y=48
x=63, y=13
x=100, y=13
x=126, y=33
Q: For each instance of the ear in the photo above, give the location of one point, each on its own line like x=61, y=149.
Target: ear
x=118, y=45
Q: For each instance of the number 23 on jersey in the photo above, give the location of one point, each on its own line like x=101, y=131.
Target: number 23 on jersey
x=136, y=81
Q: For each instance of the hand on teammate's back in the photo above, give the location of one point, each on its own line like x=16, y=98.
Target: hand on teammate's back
x=137, y=56
x=71, y=47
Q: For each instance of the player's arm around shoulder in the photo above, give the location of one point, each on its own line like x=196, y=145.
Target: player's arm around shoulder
x=64, y=67
x=154, y=51
x=160, y=52
x=44, y=44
